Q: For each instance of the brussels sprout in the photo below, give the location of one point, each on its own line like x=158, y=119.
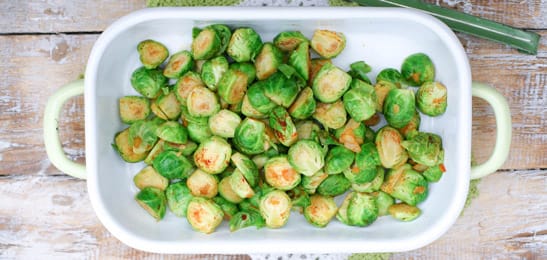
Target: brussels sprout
x=152, y=53
x=279, y=173
x=248, y=110
x=229, y=208
x=142, y=136
x=316, y=65
x=178, y=196
x=431, y=98
x=300, y=60
x=156, y=150
x=157, y=111
x=148, y=82
x=186, y=84
x=240, y=185
x=199, y=132
x=206, y=44
x=172, y=166
x=388, y=142
x=204, y=215
x=331, y=115
x=310, y=183
x=173, y=132
x=425, y=148
x=411, y=129
x=148, y=177
x=275, y=208
x=351, y=135
x=368, y=156
x=224, y=33
x=328, y=44
x=342, y=214
x=321, y=210
x=213, y=155
x=330, y=83
x=362, y=210
x=338, y=159
x=280, y=89
x=133, y=109
x=390, y=75
x=418, y=69
x=202, y=184
x=179, y=63
x=382, y=88
x=244, y=45
x=283, y=127
x=232, y=86
x=247, y=167
x=187, y=119
x=373, y=185
x=404, y=212
x=334, y=185
x=299, y=198
x=212, y=71
x=267, y=61
x=307, y=157
x=169, y=105
x=258, y=99
x=360, y=100
x=308, y=130
x=153, y=201
x=247, y=68
x=405, y=184
x=399, y=107
x=245, y=219
x=359, y=71
x=226, y=191
x=122, y=146
x=202, y=102
x=360, y=175
x=289, y=40
x=250, y=136
x=383, y=202
x=434, y=174
x=224, y=123
x=304, y=105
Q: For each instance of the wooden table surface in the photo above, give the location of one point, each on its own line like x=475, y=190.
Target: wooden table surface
x=45, y=44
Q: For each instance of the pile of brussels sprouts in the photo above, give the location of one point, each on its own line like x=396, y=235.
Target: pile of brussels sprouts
x=247, y=131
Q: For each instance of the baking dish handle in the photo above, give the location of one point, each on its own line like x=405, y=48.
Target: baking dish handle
x=503, y=130
x=52, y=142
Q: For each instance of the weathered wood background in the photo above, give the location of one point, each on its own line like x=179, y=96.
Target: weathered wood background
x=45, y=44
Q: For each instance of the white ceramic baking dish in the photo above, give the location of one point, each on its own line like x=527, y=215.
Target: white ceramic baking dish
x=380, y=36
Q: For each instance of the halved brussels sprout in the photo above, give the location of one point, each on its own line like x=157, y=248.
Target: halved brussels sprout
x=248, y=110
x=300, y=60
x=267, y=61
x=289, y=40
x=172, y=166
x=258, y=99
x=391, y=75
x=213, y=155
x=169, y=105
x=240, y=185
x=279, y=173
x=152, y=53
x=425, y=148
x=212, y=71
x=431, y=98
x=405, y=184
x=157, y=111
x=338, y=159
x=224, y=33
x=122, y=146
x=404, y=212
x=283, y=127
x=172, y=131
x=321, y=210
x=331, y=115
x=199, y=132
x=304, y=105
x=244, y=45
x=275, y=208
x=434, y=174
x=187, y=119
x=368, y=156
x=202, y=184
x=382, y=88
x=383, y=201
x=360, y=100
x=342, y=214
x=399, y=107
x=245, y=219
x=202, y=102
x=307, y=157
x=328, y=44
x=232, y=86
x=133, y=109
x=229, y=208
x=206, y=44
x=148, y=82
x=334, y=185
x=178, y=196
x=247, y=167
x=373, y=185
x=280, y=89
x=316, y=65
x=188, y=82
x=142, y=136
x=359, y=173
x=153, y=201
x=224, y=123
x=148, y=177
x=179, y=63
x=359, y=70
x=362, y=210
x=351, y=135
x=226, y=191
x=247, y=68
x=330, y=83
x=204, y=215
x=310, y=183
x=250, y=136
x=411, y=129
x=388, y=142
x=418, y=69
